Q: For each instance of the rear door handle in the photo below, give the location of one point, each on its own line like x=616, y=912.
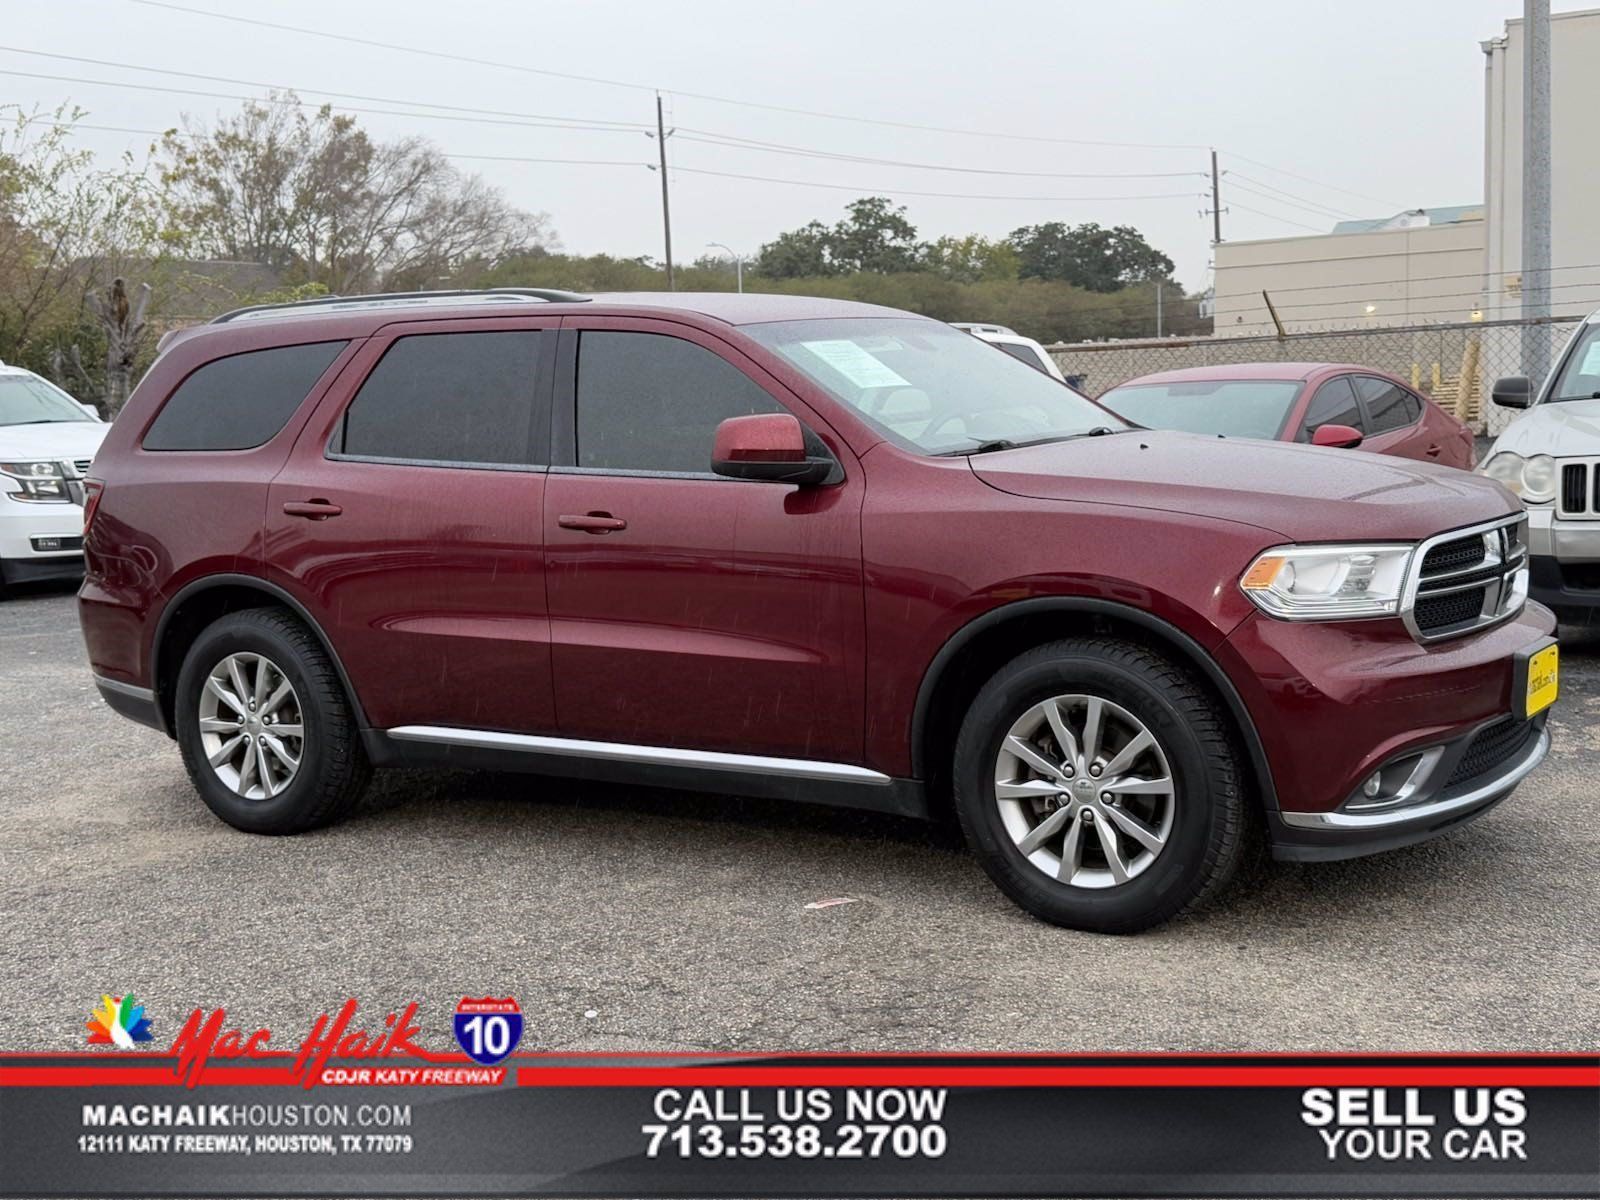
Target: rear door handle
x=311, y=510
x=596, y=522
x=1434, y=450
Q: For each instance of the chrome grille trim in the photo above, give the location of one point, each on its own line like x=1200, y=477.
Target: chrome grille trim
x=1579, y=499
x=1505, y=592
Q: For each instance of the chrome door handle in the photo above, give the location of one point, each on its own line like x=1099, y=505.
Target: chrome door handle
x=596, y=522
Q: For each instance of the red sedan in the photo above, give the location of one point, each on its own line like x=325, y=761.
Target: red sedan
x=1326, y=404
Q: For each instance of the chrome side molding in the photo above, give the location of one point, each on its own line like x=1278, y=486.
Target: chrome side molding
x=658, y=756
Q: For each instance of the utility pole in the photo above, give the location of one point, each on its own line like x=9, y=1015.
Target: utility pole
x=666, y=205
x=1158, y=308
x=1535, y=187
x=1216, y=202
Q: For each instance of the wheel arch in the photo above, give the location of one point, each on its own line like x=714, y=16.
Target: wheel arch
x=1020, y=625
x=199, y=603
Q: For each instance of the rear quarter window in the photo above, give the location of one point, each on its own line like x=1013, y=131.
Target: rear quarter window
x=242, y=401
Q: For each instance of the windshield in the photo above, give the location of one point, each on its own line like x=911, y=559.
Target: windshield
x=1248, y=408
x=1580, y=377
x=931, y=387
x=25, y=400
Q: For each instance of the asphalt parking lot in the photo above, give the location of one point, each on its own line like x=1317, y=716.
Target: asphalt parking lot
x=631, y=919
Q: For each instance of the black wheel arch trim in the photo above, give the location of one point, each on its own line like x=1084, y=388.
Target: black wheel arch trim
x=1193, y=652
x=212, y=582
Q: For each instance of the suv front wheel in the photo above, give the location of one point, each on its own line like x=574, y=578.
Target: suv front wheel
x=1098, y=784
x=267, y=734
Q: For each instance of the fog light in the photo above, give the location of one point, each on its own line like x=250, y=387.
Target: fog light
x=1373, y=785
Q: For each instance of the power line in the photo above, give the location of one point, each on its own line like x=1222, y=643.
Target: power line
x=1268, y=196
x=1291, y=195
x=153, y=87
x=730, y=141
x=1276, y=217
x=893, y=191
x=1404, y=301
x=1268, y=166
x=576, y=122
x=1370, y=283
x=804, y=112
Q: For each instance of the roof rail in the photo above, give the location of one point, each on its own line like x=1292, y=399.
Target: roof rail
x=404, y=300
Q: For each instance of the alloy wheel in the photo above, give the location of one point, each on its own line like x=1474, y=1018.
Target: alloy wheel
x=251, y=726
x=1085, y=791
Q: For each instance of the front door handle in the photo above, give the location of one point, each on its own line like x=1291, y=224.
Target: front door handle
x=311, y=510
x=1434, y=450
x=595, y=522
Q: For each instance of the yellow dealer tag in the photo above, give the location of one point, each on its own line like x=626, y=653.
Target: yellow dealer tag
x=1543, y=680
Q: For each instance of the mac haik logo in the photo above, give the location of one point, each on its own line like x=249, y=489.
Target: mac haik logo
x=207, y=1036
x=118, y=1022
x=488, y=1029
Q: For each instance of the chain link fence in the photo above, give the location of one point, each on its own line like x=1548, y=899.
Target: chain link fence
x=1455, y=364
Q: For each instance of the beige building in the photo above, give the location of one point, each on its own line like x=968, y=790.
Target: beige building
x=1416, y=267
x=1444, y=265
x=1574, y=166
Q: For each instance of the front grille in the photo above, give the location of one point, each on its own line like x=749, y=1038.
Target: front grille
x=1436, y=613
x=1469, y=579
x=1574, y=488
x=1453, y=556
x=1491, y=747
x=1579, y=497
x=83, y=465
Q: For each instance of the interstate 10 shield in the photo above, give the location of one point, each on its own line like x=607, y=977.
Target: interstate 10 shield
x=488, y=1029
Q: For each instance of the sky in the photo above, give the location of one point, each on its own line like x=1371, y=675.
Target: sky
x=1016, y=111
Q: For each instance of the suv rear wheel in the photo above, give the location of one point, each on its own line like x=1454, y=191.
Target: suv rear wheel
x=1099, y=786
x=267, y=733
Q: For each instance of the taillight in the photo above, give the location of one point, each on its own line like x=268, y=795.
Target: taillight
x=91, y=501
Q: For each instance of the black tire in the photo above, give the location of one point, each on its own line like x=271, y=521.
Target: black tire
x=1210, y=817
x=333, y=770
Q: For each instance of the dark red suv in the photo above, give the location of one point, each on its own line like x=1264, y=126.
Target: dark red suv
x=807, y=549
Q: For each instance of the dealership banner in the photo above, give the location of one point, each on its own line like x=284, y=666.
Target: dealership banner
x=378, y=1108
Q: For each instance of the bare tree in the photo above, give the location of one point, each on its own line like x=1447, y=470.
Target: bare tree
x=123, y=323
x=312, y=195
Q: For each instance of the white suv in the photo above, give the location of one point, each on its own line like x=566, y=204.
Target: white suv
x=47, y=440
x=1014, y=344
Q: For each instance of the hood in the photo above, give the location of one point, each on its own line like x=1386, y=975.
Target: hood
x=1303, y=493
x=56, y=440
x=1566, y=430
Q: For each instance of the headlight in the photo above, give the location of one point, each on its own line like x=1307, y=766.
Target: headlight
x=1328, y=583
x=37, y=480
x=1533, y=479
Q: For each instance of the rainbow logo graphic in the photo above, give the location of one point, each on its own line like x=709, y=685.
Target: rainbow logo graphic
x=119, y=1022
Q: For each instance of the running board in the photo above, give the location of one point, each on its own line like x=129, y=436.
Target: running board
x=649, y=756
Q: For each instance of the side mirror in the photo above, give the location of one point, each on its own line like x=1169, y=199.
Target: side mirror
x=1514, y=391
x=770, y=446
x=1345, y=437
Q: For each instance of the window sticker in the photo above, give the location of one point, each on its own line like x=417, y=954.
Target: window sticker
x=855, y=364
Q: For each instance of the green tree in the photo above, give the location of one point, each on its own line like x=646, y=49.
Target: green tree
x=1088, y=255
x=970, y=259
x=875, y=236
x=803, y=252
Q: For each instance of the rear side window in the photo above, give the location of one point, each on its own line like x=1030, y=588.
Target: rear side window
x=1389, y=406
x=449, y=398
x=1334, y=404
x=649, y=402
x=240, y=402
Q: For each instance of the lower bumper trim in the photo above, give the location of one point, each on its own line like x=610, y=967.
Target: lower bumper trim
x=136, y=703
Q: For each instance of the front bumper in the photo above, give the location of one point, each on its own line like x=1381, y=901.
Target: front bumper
x=1443, y=801
x=1563, y=563
x=1334, y=702
x=40, y=542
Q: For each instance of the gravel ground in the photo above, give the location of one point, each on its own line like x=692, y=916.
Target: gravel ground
x=637, y=919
